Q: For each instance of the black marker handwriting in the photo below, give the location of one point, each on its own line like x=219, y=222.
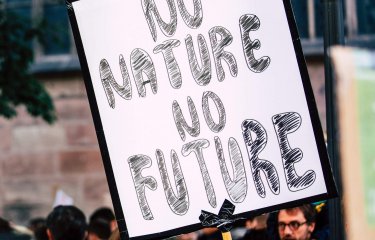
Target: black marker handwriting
x=284, y=124
x=254, y=148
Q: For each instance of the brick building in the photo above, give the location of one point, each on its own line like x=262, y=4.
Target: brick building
x=37, y=159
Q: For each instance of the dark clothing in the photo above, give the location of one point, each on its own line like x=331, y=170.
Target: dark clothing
x=13, y=235
x=214, y=236
x=272, y=226
x=253, y=234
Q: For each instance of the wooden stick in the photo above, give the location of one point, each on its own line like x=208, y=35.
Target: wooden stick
x=226, y=235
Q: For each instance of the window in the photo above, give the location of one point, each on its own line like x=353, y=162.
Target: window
x=51, y=15
x=57, y=35
x=366, y=16
x=57, y=43
x=359, y=20
x=309, y=18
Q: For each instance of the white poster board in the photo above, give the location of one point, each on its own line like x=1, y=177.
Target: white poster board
x=195, y=102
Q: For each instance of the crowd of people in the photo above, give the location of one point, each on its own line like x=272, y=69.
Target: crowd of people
x=64, y=223
x=305, y=222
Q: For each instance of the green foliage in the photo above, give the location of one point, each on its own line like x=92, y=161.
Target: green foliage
x=17, y=85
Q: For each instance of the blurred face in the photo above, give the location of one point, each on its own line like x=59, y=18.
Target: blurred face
x=92, y=236
x=292, y=225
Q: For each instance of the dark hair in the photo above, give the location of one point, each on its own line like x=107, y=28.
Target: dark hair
x=39, y=228
x=67, y=223
x=35, y=223
x=4, y=225
x=103, y=213
x=100, y=227
x=41, y=233
x=308, y=211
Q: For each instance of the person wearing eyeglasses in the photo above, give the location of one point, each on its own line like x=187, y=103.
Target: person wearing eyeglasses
x=296, y=223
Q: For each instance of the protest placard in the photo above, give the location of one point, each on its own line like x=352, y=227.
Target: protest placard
x=195, y=102
x=355, y=72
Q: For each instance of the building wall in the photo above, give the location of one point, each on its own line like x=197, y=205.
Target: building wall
x=37, y=159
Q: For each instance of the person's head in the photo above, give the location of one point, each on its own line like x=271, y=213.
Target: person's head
x=257, y=222
x=99, y=229
x=35, y=223
x=115, y=235
x=106, y=214
x=296, y=223
x=66, y=223
x=41, y=233
x=39, y=228
x=4, y=225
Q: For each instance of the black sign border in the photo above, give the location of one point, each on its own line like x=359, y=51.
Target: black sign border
x=317, y=128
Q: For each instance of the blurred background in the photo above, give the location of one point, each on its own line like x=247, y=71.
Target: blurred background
x=48, y=143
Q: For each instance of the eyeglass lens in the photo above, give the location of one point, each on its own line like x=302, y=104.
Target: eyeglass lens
x=294, y=225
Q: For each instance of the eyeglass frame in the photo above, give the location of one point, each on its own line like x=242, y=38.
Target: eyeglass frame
x=282, y=226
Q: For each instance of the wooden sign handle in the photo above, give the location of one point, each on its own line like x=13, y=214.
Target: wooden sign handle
x=226, y=236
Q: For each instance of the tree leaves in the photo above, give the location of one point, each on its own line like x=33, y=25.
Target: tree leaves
x=17, y=85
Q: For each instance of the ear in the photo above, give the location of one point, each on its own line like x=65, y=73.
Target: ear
x=49, y=234
x=113, y=225
x=250, y=224
x=311, y=227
